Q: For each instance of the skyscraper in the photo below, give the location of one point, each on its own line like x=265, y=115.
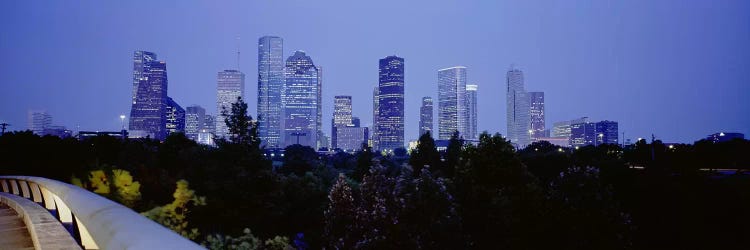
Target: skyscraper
x=148, y=112
x=452, y=111
x=518, y=110
x=342, y=115
x=175, y=117
x=375, y=116
x=471, y=99
x=300, y=101
x=139, y=58
x=425, y=116
x=194, y=118
x=390, y=127
x=270, y=83
x=230, y=84
x=536, y=101
x=322, y=140
x=39, y=121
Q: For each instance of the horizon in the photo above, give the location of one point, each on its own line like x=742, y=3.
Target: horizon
x=656, y=69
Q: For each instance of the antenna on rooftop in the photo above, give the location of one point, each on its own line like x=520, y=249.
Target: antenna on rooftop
x=238, y=53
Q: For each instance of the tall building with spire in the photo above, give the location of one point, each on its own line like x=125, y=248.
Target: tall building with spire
x=425, y=116
x=452, y=104
x=300, y=101
x=270, y=83
x=230, y=84
x=148, y=113
x=518, y=120
x=471, y=110
x=390, y=123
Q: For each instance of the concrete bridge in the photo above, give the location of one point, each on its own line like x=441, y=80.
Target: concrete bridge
x=39, y=213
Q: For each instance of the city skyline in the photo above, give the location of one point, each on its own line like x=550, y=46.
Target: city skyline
x=614, y=63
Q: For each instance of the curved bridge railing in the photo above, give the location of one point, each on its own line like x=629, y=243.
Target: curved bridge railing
x=94, y=221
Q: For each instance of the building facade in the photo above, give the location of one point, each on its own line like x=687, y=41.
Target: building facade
x=38, y=121
x=351, y=138
x=270, y=84
x=425, y=116
x=148, y=111
x=342, y=116
x=194, y=119
x=563, y=130
x=375, y=117
x=390, y=124
x=471, y=99
x=300, y=101
x=536, y=105
x=230, y=85
x=582, y=134
x=452, y=104
x=607, y=132
x=322, y=138
x=518, y=118
x=175, y=117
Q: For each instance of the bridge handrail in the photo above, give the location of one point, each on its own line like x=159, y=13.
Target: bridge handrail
x=102, y=223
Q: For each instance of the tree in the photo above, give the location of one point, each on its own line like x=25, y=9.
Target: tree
x=340, y=216
x=425, y=154
x=364, y=162
x=242, y=128
x=299, y=159
x=452, y=155
x=586, y=212
x=501, y=202
x=174, y=215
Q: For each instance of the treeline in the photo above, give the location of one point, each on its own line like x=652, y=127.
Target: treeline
x=484, y=196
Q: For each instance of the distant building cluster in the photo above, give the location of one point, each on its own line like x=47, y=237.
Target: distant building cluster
x=289, y=108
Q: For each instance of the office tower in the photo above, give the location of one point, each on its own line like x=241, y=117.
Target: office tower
x=452, y=111
x=425, y=116
x=270, y=83
x=606, y=132
x=375, y=116
x=536, y=101
x=582, y=134
x=209, y=124
x=300, y=101
x=322, y=139
x=139, y=58
x=175, y=117
x=562, y=129
x=390, y=126
x=351, y=138
x=194, y=119
x=342, y=116
x=471, y=99
x=39, y=121
x=230, y=84
x=518, y=121
x=148, y=112
x=355, y=121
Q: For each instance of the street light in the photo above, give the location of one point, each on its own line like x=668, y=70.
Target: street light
x=601, y=136
x=122, y=120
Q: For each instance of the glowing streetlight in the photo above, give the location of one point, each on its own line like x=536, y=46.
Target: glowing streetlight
x=122, y=120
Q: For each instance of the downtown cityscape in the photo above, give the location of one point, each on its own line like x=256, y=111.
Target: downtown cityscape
x=374, y=125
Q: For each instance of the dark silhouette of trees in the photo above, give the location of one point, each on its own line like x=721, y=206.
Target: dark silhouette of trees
x=425, y=154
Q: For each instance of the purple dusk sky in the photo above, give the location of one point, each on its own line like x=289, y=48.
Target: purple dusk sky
x=677, y=69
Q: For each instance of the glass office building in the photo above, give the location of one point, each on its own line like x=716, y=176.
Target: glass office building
x=390, y=123
x=270, y=83
x=300, y=101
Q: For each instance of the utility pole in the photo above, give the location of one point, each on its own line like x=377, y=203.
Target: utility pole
x=3, y=126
